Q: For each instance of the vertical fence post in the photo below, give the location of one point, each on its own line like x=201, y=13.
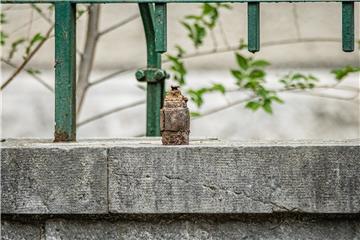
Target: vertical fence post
x=155, y=41
x=348, y=26
x=65, y=71
x=160, y=19
x=253, y=26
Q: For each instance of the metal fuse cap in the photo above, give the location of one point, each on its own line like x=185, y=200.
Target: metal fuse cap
x=175, y=119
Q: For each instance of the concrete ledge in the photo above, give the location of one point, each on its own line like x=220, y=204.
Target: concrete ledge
x=209, y=176
x=197, y=227
x=53, y=180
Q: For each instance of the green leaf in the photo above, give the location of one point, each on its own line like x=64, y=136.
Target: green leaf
x=207, y=8
x=253, y=105
x=186, y=25
x=195, y=114
x=267, y=106
x=200, y=33
x=311, y=77
x=257, y=73
x=224, y=5
x=341, y=73
x=178, y=69
x=196, y=97
x=241, y=61
x=2, y=18
x=261, y=91
x=32, y=71
x=3, y=37
x=14, y=47
x=180, y=50
x=36, y=38
x=80, y=12
x=260, y=63
x=237, y=74
x=194, y=17
x=242, y=44
x=218, y=87
x=298, y=76
x=277, y=99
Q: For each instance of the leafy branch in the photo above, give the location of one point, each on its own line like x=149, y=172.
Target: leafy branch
x=28, y=57
x=198, y=26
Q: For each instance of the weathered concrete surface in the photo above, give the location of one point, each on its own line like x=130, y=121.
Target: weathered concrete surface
x=54, y=179
x=203, y=229
x=208, y=176
x=100, y=189
x=235, y=178
x=196, y=227
x=15, y=230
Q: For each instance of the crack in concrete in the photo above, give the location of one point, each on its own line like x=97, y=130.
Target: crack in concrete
x=214, y=188
x=169, y=177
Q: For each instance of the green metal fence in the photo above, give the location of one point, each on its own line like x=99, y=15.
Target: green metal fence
x=153, y=14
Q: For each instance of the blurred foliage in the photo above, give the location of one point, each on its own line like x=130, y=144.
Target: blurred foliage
x=250, y=74
x=198, y=26
x=341, y=73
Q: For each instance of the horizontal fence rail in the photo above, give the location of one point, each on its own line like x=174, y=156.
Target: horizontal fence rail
x=154, y=17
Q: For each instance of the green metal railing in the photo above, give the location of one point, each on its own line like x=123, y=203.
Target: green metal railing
x=153, y=14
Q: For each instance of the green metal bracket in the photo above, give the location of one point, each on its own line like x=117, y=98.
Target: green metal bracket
x=253, y=27
x=65, y=71
x=348, y=26
x=155, y=89
x=151, y=75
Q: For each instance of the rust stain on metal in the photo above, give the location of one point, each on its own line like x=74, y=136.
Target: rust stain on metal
x=61, y=137
x=175, y=119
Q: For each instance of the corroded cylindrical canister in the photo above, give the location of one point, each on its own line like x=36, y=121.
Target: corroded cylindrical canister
x=175, y=119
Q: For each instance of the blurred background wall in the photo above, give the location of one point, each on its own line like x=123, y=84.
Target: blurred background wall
x=303, y=37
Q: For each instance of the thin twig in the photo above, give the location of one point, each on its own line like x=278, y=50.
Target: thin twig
x=81, y=55
x=31, y=22
x=98, y=35
x=109, y=76
x=223, y=34
x=119, y=24
x=213, y=37
x=322, y=95
x=88, y=55
x=218, y=109
x=38, y=10
x=27, y=59
x=265, y=44
x=24, y=25
x=222, y=50
x=296, y=21
x=41, y=81
x=112, y=111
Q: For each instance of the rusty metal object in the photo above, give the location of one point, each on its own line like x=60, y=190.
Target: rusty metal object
x=175, y=119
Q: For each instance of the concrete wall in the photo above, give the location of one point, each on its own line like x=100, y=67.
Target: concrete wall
x=139, y=189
